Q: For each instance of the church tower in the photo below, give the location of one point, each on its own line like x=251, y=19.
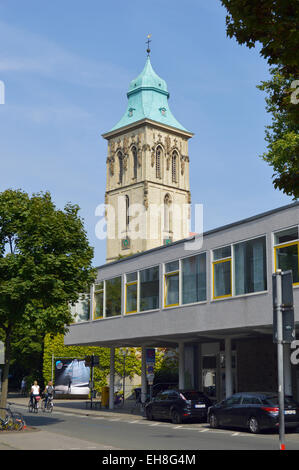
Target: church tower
x=147, y=189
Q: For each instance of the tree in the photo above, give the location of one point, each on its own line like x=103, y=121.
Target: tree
x=282, y=135
x=273, y=23
x=45, y=263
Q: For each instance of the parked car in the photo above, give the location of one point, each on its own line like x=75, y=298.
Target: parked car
x=253, y=411
x=178, y=405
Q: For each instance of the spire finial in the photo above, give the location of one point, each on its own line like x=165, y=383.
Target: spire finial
x=148, y=44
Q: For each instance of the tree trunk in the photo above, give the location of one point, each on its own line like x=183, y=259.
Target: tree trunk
x=7, y=350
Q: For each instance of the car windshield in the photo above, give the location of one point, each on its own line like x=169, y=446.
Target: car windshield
x=195, y=396
x=273, y=400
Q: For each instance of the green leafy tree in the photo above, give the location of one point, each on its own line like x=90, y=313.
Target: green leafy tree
x=274, y=25
x=45, y=262
x=282, y=135
x=166, y=366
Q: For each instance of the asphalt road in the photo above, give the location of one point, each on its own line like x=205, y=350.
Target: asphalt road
x=63, y=430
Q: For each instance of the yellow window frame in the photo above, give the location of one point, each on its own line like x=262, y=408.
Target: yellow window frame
x=285, y=245
x=231, y=278
x=97, y=291
x=131, y=284
x=174, y=273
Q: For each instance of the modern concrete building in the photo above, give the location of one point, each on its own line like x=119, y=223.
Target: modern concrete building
x=213, y=303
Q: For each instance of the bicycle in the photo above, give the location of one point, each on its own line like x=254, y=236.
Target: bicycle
x=139, y=406
x=50, y=405
x=33, y=404
x=10, y=420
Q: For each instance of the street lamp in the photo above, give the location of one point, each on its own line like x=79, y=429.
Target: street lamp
x=124, y=352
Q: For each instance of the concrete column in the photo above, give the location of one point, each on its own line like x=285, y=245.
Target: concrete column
x=143, y=375
x=111, y=381
x=228, y=368
x=287, y=369
x=181, y=365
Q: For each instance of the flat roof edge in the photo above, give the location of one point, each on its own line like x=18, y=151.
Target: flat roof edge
x=208, y=232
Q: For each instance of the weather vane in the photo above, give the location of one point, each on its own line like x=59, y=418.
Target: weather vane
x=148, y=44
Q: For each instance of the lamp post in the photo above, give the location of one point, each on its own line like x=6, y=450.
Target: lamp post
x=124, y=352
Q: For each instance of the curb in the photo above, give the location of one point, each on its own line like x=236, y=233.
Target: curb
x=88, y=412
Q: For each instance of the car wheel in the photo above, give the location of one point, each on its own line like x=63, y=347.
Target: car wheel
x=253, y=425
x=149, y=414
x=176, y=417
x=214, y=421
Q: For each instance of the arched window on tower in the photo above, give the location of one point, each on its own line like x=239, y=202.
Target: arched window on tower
x=135, y=161
x=158, y=161
x=174, y=161
x=121, y=167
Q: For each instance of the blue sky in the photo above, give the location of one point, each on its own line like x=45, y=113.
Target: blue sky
x=66, y=66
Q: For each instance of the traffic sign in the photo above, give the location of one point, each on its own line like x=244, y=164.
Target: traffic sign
x=283, y=305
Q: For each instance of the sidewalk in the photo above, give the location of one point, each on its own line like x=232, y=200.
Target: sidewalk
x=40, y=439
x=79, y=407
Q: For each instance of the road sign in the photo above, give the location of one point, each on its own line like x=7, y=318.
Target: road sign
x=150, y=356
x=150, y=369
x=150, y=378
x=283, y=306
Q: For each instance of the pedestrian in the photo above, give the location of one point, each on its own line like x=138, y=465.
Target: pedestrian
x=70, y=386
x=23, y=386
x=49, y=391
x=35, y=393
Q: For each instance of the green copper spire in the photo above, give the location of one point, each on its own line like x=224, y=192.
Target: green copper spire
x=148, y=99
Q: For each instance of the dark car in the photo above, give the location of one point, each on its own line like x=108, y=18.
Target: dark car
x=178, y=405
x=253, y=411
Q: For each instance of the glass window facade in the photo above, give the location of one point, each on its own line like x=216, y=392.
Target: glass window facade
x=172, y=284
x=113, y=297
x=250, y=266
x=131, y=293
x=98, y=308
x=80, y=311
x=194, y=282
x=220, y=253
x=222, y=279
x=172, y=266
x=149, y=289
x=222, y=273
x=171, y=289
x=286, y=252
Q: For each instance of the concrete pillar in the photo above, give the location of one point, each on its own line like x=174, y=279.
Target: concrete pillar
x=181, y=365
x=228, y=368
x=287, y=370
x=111, y=381
x=143, y=375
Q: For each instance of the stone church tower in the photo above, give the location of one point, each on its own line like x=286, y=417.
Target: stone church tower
x=147, y=190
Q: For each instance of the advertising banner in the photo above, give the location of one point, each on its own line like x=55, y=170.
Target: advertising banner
x=71, y=377
x=150, y=356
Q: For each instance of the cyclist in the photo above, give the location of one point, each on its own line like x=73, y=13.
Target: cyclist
x=48, y=392
x=35, y=393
